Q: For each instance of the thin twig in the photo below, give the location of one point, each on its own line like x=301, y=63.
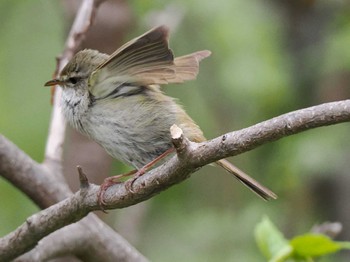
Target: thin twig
x=84, y=182
x=81, y=25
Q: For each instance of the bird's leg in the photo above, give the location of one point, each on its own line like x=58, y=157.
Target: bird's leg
x=110, y=181
x=143, y=170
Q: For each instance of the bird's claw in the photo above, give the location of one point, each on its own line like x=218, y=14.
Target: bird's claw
x=116, y=180
x=129, y=184
x=108, y=182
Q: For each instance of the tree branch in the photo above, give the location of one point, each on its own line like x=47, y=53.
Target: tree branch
x=40, y=225
x=76, y=239
x=195, y=155
x=291, y=123
x=81, y=25
x=40, y=185
x=37, y=181
x=173, y=171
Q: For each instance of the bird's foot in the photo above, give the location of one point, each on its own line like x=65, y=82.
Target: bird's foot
x=108, y=182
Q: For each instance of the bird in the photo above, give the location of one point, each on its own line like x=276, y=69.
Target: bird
x=116, y=100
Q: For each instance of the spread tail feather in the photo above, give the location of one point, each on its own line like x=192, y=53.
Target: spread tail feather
x=251, y=183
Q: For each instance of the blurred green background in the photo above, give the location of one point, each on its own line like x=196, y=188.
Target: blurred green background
x=268, y=58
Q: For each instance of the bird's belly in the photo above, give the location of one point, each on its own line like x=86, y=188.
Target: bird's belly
x=135, y=155
x=132, y=140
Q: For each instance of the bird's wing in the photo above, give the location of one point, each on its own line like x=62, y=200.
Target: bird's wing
x=143, y=61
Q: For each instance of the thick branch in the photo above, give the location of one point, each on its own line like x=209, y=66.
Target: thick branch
x=193, y=155
x=174, y=170
x=292, y=123
x=39, y=184
x=35, y=180
x=40, y=225
x=76, y=239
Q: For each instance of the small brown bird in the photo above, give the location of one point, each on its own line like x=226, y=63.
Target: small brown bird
x=116, y=101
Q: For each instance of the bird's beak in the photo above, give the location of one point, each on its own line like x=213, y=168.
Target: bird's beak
x=53, y=82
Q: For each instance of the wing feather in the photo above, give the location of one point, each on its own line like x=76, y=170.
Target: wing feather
x=146, y=60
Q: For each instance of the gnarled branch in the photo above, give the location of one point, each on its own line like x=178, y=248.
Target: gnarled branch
x=173, y=171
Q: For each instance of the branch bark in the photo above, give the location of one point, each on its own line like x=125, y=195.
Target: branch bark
x=77, y=238
x=191, y=157
x=37, y=181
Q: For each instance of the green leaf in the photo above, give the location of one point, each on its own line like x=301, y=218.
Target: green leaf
x=271, y=241
x=313, y=245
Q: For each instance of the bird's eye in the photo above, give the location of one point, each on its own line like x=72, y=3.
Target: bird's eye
x=73, y=80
